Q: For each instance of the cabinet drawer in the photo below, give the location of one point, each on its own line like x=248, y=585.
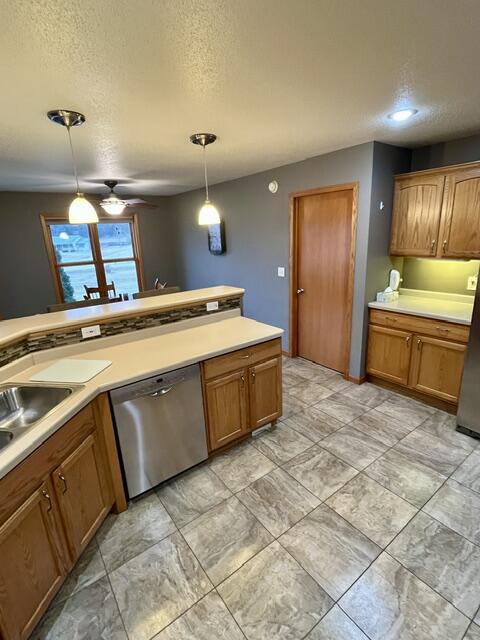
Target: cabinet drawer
x=417, y=324
x=241, y=358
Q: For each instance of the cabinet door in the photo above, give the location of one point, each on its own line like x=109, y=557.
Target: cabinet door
x=437, y=367
x=417, y=206
x=82, y=494
x=461, y=226
x=265, y=392
x=388, y=354
x=30, y=567
x=226, y=400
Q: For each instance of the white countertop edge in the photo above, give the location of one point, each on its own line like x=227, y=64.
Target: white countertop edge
x=14, y=329
x=415, y=311
x=19, y=449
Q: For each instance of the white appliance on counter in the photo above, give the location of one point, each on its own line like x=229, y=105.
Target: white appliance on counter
x=391, y=292
x=160, y=426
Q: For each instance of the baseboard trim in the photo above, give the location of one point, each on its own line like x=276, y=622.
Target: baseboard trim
x=356, y=380
x=438, y=403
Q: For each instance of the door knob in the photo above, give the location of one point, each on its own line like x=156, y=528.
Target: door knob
x=300, y=291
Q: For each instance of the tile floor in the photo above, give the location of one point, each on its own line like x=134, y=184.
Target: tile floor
x=357, y=518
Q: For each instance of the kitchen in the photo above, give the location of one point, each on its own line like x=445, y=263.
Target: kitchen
x=243, y=406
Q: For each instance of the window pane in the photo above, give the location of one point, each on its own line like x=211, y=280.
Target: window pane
x=71, y=242
x=124, y=275
x=73, y=279
x=115, y=240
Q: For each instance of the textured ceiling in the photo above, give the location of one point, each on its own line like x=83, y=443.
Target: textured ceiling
x=277, y=80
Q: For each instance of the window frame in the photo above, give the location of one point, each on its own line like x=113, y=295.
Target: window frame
x=98, y=262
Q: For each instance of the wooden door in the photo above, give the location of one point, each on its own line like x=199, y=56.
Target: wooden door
x=265, y=392
x=31, y=570
x=226, y=400
x=388, y=354
x=461, y=215
x=437, y=367
x=82, y=493
x=324, y=247
x=417, y=206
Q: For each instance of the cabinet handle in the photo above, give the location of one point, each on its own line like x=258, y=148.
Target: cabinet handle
x=242, y=378
x=62, y=478
x=244, y=357
x=444, y=246
x=253, y=376
x=46, y=495
x=442, y=329
x=419, y=342
x=434, y=242
x=407, y=340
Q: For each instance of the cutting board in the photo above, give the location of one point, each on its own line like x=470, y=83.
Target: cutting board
x=71, y=370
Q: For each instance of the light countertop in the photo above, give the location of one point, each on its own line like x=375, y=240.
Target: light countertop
x=439, y=306
x=19, y=327
x=134, y=358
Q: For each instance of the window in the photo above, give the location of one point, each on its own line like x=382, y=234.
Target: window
x=93, y=255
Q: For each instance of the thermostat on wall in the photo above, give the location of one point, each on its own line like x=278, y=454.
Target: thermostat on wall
x=273, y=186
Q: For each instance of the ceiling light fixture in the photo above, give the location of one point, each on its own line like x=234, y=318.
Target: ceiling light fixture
x=81, y=211
x=112, y=204
x=208, y=214
x=402, y=114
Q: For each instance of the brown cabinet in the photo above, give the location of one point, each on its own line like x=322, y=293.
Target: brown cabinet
x=265, y=392
x=436, y=213
x=226, y=401
x=416, y=215
x=437, y=367
x=243, y=391
x=82, y=494
x=52, y=504
x=388, y=354
x=31, y=567
x=421, y=354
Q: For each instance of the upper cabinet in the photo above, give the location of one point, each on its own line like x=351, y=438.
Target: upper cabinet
x=461, y=215
x=437, y=213
x=417, y=208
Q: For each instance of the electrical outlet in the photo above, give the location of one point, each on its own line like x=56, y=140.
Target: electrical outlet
x=212, y=306
x=281, y=272
x=472, y=283
x=91, y=332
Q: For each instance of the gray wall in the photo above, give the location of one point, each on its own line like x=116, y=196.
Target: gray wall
x=258, y=235
x=26, y=284
x=445, y=153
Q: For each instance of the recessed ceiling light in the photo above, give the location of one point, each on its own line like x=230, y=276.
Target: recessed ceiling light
x=403, y=114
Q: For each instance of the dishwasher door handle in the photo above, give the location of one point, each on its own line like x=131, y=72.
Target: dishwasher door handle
x=164, y=390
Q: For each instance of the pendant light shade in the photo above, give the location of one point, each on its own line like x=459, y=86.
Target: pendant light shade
x=81, y=211
x=208, y=213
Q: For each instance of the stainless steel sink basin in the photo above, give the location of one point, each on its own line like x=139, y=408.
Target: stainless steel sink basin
x=22, y=406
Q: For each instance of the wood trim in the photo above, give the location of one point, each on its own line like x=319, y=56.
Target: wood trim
x=356, y=380
x=448, y=169
x=293, y=266
x=47, y=219
x=107, y=441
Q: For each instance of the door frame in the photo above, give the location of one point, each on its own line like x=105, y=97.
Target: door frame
x=293, y=266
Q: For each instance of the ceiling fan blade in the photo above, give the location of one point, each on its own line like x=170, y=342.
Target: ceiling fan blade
x=138, y=202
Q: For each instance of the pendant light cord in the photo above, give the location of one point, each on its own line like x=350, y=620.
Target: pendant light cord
x=73, y=159
x=205, y=168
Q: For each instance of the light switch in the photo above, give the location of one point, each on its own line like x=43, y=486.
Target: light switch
x=472, y=283
x=91, y=332
x=281, y=272
x=212, y=306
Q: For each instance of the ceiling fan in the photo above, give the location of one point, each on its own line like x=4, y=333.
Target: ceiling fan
x=115, y=206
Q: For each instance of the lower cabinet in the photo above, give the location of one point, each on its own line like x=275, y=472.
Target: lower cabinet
x=437, y=367
x=411, y=354
x=52, y=504
x=227, y=408
x=243, y=391
x=82, y=494
x=31, y=566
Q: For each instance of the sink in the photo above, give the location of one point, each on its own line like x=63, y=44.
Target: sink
x=22, y=406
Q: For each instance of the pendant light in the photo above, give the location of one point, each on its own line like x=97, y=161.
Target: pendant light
x=208, y=214
x=112, y=204
x=81, y=211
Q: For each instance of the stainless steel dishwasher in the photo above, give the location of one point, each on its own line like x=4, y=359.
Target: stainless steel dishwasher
x=160, y=426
